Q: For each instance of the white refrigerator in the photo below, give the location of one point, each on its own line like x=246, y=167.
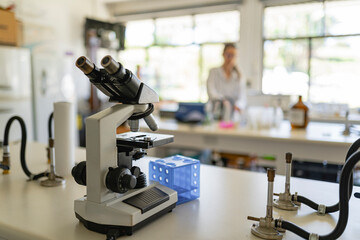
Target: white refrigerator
x=15, y=91
x=30, y=83
x=52, y=81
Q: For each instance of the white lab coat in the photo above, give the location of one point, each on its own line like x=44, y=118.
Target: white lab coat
x=220, y=88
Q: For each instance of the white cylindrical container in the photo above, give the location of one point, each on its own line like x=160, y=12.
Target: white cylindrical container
x=64, y=124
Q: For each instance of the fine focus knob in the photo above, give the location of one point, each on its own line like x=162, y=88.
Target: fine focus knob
x=120, y=180
x=128, y=181
x=135, y=171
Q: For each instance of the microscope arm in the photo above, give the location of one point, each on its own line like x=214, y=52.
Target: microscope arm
x=101, y=147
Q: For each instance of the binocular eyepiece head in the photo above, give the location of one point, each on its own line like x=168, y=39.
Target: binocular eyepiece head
x=109, y=64
x=116, y=82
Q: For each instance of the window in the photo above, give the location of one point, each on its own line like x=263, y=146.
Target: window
x=312, y=50
x=176, y=72
x=293, y=21
x=217, y=27
x=174, y=55
x=285, y=67
x=174, y=31
x=140, y=33
x=335, y=70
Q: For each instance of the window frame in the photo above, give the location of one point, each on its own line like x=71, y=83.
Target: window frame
x=309, y=39
x=201, y=45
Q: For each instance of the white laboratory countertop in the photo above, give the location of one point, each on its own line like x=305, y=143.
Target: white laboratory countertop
x=228, y=196
x=315, y=132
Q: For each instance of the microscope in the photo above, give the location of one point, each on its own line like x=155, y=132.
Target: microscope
x=118, y=200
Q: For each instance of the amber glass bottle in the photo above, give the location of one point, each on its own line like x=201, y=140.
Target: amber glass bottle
x=299, y=117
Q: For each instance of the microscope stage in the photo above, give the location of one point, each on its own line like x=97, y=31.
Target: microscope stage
x=143, y=139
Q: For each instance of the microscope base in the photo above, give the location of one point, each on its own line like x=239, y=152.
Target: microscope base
x=111, y=230
x=119, y=216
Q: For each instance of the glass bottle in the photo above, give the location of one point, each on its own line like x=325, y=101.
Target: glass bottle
x=299, y=117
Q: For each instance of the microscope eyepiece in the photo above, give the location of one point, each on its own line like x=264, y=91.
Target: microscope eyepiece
x=105, y=60
x=116, y=82
x=80, y=61
x=112, y=66
x=85, y=65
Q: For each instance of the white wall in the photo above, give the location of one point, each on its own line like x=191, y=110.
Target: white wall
x=54, y=28
x=251, y=42
x=54, y=32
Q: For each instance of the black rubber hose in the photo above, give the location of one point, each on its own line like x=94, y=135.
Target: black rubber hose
x=344, y=196
x=313, y=205
x=23, y=141
x=344, y=190
x=22, y=147
x=293, y=228
x=307, y=202
x=50, y=125
x=353, y=148
x=40, y=175
x=333, y=208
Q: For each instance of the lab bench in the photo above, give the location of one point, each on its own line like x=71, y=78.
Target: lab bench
x=319, y=142
x=227, y=197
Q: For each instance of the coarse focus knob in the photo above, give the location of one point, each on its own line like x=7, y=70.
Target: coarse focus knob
x=128, y=181
x=79, y=173
x=120, y=180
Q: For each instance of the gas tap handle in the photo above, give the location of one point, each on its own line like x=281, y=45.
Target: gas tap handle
x=288, y=157
x=271, y=174
x=253, y=218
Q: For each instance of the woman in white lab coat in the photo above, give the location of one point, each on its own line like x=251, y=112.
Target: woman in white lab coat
x=226, y=86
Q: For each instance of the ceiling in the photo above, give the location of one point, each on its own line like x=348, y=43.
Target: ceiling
x=137, y=9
